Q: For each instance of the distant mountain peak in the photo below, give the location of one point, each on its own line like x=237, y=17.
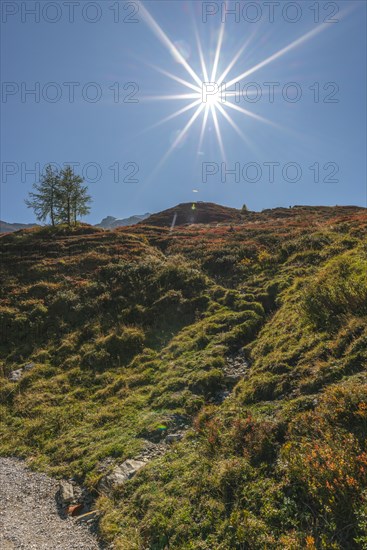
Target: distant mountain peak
x=110, y=222
x=6, y=227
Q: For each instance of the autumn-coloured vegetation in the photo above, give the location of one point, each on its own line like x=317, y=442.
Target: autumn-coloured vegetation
x=130, y=329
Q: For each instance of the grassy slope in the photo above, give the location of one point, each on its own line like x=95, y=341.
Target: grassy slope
x=130, y=328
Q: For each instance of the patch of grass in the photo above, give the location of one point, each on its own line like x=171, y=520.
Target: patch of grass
x=133, y=329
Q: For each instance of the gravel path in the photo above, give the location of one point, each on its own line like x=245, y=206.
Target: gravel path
x=29, y=517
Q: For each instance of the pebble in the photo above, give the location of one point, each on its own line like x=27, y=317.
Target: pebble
x=29, y=517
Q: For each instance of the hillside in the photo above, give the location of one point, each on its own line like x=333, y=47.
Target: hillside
x=194, y=212
x=225, y=357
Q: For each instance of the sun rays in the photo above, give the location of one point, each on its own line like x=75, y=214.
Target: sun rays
x=209, y=94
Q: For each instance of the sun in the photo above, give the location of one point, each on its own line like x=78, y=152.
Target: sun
x=207, y=92
x=210, y=94
x=212, y=100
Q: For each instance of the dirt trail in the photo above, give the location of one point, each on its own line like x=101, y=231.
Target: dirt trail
x=29, y=517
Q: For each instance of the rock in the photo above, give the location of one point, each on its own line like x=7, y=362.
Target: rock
x=29, y=366
x=120, y=474
x=172, y=438
x=66, y=492
x=16, y=375
x=178, y=420
x=151, y=451
x=74, y=509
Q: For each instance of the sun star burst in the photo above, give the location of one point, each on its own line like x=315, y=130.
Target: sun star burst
x=210, y=95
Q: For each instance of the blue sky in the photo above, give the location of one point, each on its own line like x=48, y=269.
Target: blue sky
x=322, y=136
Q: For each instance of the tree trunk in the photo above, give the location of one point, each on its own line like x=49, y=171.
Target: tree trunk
x=68, y=211
x=52, y=210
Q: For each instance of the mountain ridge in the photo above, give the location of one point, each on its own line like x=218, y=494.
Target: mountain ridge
x=200, y=212
x=109, y=222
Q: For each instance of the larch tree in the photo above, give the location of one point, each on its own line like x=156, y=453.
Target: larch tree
x=44, y=199
x=61, y=196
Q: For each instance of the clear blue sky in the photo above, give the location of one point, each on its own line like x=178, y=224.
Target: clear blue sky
x=113, y=49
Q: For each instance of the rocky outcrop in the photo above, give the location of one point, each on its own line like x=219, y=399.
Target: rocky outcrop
x=119, y=475
x=17, y=374
x=114, y=476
